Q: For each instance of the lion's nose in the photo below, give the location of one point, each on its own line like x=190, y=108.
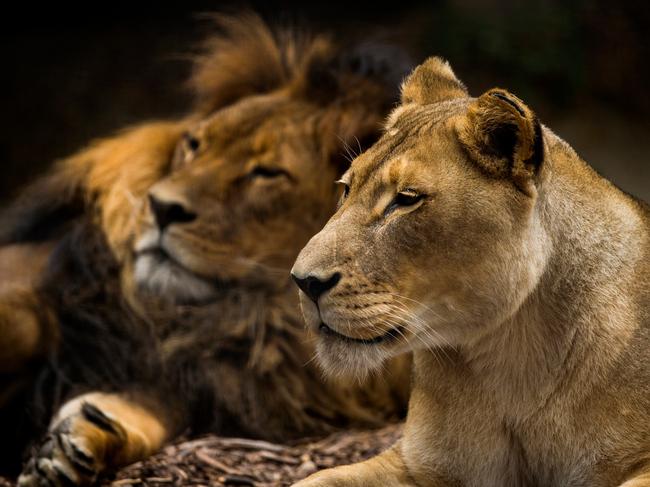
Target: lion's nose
x=168, y=212
x=314, y=286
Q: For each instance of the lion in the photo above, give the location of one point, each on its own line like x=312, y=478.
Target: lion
x=475, y=237
x=147, y=291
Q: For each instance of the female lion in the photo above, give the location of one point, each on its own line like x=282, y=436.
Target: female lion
x=520, y=278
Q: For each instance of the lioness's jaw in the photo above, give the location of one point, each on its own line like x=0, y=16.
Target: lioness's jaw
x=345, y=361
x=343, y=355
x=352, y=340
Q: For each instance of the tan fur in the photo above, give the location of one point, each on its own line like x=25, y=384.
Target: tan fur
x=139, y=431
x=27, y=329
x=520, y=278
x=432, y=82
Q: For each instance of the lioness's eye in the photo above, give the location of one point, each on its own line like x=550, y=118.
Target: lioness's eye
x=346, y=187
x=408, y=197
x=346, y=192
x=268, y=172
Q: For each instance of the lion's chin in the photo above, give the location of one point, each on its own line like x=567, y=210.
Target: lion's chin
x=159, y=276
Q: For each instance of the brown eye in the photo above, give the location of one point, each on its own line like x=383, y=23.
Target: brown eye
x=346, y=192
x=346, y=188
x=192, y=142
x=268, y=172
x=405, y=198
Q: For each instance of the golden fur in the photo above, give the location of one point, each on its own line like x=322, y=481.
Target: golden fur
x=160, y=301
x=519, y=277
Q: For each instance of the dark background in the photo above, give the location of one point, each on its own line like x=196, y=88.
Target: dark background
x=73, y=73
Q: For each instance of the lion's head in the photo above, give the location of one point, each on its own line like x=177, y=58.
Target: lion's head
x=437, y=238
x=231, y=193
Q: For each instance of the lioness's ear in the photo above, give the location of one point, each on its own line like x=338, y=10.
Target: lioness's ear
x=503, y=136
x=431, y=82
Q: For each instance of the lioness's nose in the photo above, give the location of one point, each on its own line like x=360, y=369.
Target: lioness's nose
x=314, y=286
x=168, y=212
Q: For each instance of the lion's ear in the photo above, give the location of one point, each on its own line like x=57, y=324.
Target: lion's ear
x=368, y=73
x=355, y=89
x=503, y=136
x=431, y=82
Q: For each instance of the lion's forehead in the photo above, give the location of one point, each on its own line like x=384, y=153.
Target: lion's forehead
x=259, y=121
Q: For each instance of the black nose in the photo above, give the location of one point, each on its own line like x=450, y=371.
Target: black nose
x=314, y=287
x=168, y=212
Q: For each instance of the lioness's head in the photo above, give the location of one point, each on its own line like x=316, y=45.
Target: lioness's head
x=435, y=239
x=231, y=193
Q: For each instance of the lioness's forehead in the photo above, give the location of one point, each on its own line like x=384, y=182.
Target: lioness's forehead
x=403, y=134
x=413, y=118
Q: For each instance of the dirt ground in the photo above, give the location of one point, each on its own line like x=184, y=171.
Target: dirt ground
x=219, y=461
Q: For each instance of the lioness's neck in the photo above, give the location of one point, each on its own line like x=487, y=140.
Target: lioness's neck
x=573, y=326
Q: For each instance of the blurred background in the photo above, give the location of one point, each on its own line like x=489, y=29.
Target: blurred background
x=74, y=73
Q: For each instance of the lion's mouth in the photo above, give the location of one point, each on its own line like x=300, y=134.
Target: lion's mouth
x=161, y=257
x=158, y=272
x=390, y=335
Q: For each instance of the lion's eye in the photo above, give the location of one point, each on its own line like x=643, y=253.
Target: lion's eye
x=267, y=172
x=405, y=198
x=192, y=142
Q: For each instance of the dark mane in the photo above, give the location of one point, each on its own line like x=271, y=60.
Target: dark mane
x=249, y=57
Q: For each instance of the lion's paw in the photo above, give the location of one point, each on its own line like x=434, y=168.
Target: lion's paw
x=74, y=452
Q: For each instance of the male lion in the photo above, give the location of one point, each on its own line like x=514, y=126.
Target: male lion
x=156, y=298
x=476, y=237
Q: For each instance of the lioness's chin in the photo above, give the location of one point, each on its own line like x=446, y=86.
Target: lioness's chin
x=342, y=359
x=163, y=278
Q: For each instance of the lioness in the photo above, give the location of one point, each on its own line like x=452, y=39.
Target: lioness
x=476, y=237
x=157, y=298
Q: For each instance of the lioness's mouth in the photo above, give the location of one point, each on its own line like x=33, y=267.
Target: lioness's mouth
x=389, y=335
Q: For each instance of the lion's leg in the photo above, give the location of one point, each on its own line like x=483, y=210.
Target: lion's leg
x=92, y=434
x=27, y=327
x=384, y=470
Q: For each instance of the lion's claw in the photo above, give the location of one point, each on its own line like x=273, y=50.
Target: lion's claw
x=64, y=458
x=53, y=465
